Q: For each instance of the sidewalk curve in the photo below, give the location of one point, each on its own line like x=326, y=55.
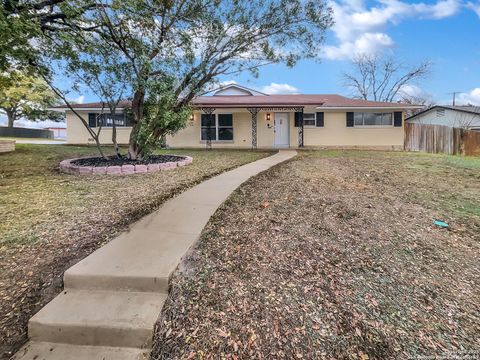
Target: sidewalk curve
x=113, y=297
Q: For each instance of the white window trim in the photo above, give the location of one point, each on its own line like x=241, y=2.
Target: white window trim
x=315, y=117
x=217, y=127
x=373, y=126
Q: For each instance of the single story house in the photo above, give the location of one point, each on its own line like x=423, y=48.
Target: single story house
x=466, y=117
x=238, y=117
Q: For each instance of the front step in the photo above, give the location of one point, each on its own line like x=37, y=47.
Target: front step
x=104, y=318
x=53, y=351
x=141, y=260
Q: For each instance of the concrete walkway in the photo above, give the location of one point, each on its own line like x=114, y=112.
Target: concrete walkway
x=113, y=297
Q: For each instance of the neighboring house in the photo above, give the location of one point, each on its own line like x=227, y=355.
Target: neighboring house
x=58, y=132
x=237, y=117
x=467, y=117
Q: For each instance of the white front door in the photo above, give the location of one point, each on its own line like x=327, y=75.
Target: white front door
x=281, y=129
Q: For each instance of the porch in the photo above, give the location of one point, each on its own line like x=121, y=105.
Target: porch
x=248, y=127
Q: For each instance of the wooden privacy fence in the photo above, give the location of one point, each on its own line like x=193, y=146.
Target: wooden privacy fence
x=441, y=139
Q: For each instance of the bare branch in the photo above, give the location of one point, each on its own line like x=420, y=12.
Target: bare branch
x=381, y=79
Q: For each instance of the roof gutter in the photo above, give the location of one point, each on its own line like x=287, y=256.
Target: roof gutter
x=261, y=106
x=63, y=109
x=369, y=107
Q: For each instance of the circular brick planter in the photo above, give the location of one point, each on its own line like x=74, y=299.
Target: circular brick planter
x=67, y=166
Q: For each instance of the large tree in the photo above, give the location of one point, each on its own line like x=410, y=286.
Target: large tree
x=23, y=95
x=169, y=51
x=24, y=22
x=378, y=78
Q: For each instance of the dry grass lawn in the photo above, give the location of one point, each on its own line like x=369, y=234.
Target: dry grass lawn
x=334, y=255
x=51, y=220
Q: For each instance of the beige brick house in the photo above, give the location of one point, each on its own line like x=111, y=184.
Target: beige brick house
x=237, y=117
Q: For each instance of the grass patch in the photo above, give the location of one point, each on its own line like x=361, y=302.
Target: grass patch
x=52, y=220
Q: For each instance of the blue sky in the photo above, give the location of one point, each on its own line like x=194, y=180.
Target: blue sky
x=444, y=32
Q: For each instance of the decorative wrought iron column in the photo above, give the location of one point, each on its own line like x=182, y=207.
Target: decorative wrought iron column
x=209, y=111
x=300, y=128
x=254, y=112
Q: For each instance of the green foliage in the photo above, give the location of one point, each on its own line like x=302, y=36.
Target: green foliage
x=161, y=117
x=170, y=51
x=16, y=30
x=23, y=25
x=23, y=95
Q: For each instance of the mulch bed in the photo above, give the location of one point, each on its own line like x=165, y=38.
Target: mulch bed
x=116, y=161
x=334, y=256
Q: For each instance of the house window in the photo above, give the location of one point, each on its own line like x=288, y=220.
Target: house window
x=107, y=120
x=218, y=126
x=373, y=119
x=309, y=119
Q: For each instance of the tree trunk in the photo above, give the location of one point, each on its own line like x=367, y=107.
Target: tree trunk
x=114, y=140
x=11, y=117
x=114, y=133
x=135, y=149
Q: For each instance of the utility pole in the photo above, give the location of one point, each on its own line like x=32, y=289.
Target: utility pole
x=454, y=95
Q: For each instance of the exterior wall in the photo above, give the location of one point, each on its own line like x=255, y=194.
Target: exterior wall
x=242, y=132
x=190, y=136
x=78, y=134
x=451, y=118
x=335, y=133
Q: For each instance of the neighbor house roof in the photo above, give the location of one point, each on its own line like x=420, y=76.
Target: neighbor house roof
x=466, y=109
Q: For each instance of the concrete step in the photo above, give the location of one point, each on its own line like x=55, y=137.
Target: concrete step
x=104, y=318
x=54, y=351
x=140, y=260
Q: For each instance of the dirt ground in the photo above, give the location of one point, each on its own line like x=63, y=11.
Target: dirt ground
x=52, y=220
x=334, y=255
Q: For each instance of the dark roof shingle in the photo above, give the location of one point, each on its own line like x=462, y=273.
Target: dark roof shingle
x=326, y=100
x=322, y=100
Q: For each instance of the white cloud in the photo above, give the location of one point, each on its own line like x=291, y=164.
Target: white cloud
x=412, y=90
x=227, y=82
x=440, y=10
x=368, y=43
x=78, y=100
x=360, y=29
x=472, y=97
x=216, y=85
x=475, y=7
x=275, y=88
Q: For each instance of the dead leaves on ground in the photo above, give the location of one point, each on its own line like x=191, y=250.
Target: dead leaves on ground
x=317, y=260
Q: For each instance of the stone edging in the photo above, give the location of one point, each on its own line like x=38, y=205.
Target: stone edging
x=69, y=168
